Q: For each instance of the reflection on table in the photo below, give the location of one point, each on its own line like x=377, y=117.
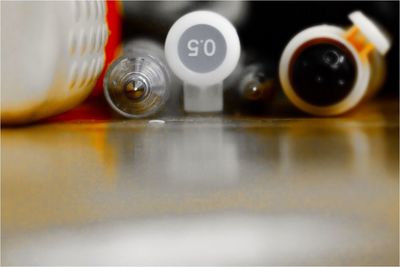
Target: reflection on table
x=203, y=191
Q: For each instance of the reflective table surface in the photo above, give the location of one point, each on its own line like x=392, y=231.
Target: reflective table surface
x=204, y=190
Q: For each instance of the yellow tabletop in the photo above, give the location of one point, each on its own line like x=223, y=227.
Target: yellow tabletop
x=204, y=190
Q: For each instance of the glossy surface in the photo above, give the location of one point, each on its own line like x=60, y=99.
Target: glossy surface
x=323, y=72
x=204, y=190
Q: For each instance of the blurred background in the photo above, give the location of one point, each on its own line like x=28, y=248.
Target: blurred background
x=275, y=187
x=265, y=27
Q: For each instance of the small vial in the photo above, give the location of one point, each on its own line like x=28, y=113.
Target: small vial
x=137, y=85
x=251, y=87
x=256, y=85
x=326, y=70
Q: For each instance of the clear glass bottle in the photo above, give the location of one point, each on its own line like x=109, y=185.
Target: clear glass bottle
x=137, y=85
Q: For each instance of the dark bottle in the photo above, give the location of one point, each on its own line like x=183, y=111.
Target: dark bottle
x=251, y=87
x=327, y=70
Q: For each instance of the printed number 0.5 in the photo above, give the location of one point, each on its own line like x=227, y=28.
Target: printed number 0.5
x=209, y=47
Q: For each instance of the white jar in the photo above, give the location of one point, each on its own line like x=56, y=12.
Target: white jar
x=52, y=54
x=326, y=70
